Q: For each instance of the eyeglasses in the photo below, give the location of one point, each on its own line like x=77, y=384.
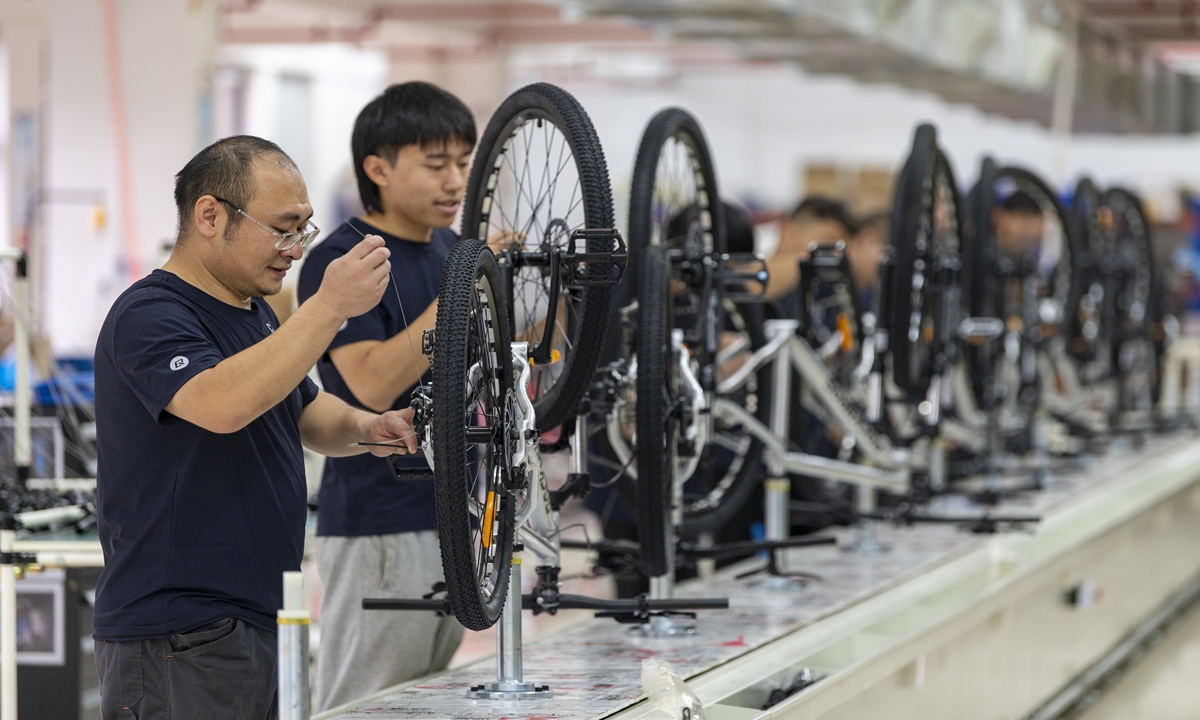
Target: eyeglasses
x=283, y=241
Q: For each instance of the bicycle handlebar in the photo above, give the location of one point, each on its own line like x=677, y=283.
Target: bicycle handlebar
x=563, y=602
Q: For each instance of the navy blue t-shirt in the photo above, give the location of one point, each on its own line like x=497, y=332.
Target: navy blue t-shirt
x=195, y=525
x=359, y=494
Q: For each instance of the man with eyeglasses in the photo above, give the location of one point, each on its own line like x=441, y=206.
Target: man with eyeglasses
x=202, y=406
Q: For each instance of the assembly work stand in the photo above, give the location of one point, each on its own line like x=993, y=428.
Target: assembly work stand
x=942, y=624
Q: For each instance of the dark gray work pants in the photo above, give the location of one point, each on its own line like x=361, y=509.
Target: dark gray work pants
x=222, y=670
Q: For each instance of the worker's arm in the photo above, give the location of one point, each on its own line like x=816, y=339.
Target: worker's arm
x=329, y=426
x=379, y=371
x=230, y=395
x=784, y=269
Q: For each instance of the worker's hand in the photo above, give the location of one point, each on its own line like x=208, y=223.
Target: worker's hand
x=392, y=427
x=505, y=239
x=354, y=283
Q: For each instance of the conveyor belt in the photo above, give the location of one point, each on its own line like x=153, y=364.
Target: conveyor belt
x=856, y=626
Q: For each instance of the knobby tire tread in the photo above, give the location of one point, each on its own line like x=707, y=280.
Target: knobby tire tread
x=467, y=261
x=562, y=399
x=655, y=439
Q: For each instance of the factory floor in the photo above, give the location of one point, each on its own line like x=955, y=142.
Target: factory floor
x=1160, y=685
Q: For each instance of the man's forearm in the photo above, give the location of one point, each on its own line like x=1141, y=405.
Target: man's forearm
x=386, y=369
x=328, y=426
x=783, y=274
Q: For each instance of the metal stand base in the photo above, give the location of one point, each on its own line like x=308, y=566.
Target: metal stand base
x=510, y=681
x=864, y=541
x=510, y=691
x=662, y=627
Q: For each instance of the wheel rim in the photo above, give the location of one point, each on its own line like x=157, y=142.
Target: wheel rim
x=486, y=465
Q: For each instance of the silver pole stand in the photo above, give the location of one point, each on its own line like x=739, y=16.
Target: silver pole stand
x=1041, y=455
x=663, y=586
x=994, y=460
x=579, y=446
x=510, y=682
x=777, y=489
x=937, y=464
x=295, y=691
x=8, y=622
x=864, y=529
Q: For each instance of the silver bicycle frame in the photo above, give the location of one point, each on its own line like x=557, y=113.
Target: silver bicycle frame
x=537, y=521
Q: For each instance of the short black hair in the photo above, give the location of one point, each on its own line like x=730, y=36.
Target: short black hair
x=818, y=207
x=413, y=113
x=1022, y=203
x=739, y=231
x=225, y=170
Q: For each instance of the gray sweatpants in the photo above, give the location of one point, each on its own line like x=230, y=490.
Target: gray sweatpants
x=364, y=651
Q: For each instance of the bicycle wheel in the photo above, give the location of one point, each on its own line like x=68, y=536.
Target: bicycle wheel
x=1090, y=327
x=1132, y=256
x=1134, y=284
x=540, y=174
x=925, y=237
x=472, y=380
x=656, y=426
x=980, y=282
x=675, y=205
x=990, y=291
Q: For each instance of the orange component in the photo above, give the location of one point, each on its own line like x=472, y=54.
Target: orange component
x=927, y=334
x=489, y=516
x=1014, y=324
x=555, y=356
x=843, y=326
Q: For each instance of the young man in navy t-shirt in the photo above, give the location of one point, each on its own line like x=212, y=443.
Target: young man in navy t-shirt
x=376, y=535
x=202, y=405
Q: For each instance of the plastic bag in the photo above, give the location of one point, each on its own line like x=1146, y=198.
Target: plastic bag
x=668, y=691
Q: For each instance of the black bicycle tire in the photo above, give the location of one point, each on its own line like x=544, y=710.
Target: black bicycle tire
x=711, y=518
x=979, y=253
x=655, y=450
x=667, y=124
x=1092, y=240
x=558, y=106
x=1071, y=237
x=924, y=159
x=468, y=262
x=1135, y=204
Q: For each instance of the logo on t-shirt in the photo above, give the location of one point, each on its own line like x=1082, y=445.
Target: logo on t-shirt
x=179, y=362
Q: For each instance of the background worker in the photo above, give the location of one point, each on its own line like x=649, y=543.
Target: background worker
x=815, y=220
x=1020, y=224
x=202, y=405
x=376, y=535
x=864, y=252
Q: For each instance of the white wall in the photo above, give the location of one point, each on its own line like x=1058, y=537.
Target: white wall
x=166, y=46
x=343, y=80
